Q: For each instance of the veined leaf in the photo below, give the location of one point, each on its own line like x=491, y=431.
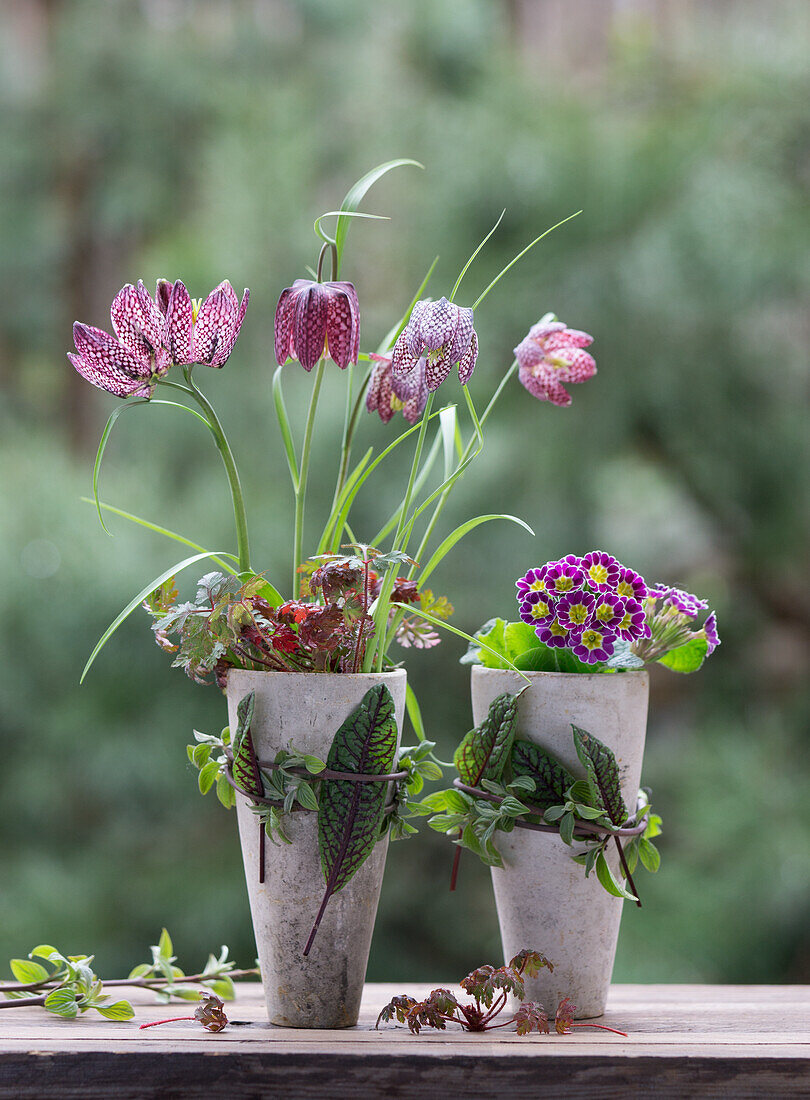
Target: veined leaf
x=119, y=1010
x=138, y=600
x=26, y=971
x=350, y=813
x=62, y=1002
x=463, y=529
x=246, y=772
x=485, y=750
x=603, y=774
x=551, y=779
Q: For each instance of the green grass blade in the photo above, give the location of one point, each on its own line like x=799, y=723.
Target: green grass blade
x=424, y=473
x=160, y=531
x=447, y=545
x=138, y=600
x=330, y=529
x=105, y=435
x=411, y=609
x=414, y=713
x=469, y=262
x=448, y=419
x=284, y=426
x=356, y=194
x=519, y=256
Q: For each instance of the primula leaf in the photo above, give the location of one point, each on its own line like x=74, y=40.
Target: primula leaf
x=246, y=771
x=603, y=774
x=538, y=659
x=489, y=654
x=350, y=813
x=687, y=657
x=551, y=779
x=485, y=750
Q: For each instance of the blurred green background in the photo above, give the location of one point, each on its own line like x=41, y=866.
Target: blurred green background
x=200, y=140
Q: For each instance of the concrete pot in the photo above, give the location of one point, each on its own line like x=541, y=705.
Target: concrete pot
x=324, y=989
x=543, y=899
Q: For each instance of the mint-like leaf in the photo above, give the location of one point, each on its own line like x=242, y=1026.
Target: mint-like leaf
x=350, y=813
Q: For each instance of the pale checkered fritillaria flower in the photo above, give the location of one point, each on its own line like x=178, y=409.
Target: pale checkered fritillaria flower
x=550, y=355
x=317, y=319
x=388, y=394
x=200, y=333
x=442, y=334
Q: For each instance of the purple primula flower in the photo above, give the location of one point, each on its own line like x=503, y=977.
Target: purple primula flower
x=633, y=623
x=388, y=394
x=601, y=570
x=129, y=363
x=442, y=333
x=609, y=610
x=553, y=634
x=575, y=609
x=712, y=637
x=200, y=333
x=550, y=355
x=317, y=319
x=533, y=581
x=537, y=609
x=592, y=644
x=561, y=577
x=631, y=584
x=682, y=601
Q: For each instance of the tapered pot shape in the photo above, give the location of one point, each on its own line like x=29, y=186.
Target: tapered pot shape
x=322, y=990
x=543, y=898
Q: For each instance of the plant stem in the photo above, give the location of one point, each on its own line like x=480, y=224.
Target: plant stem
x=142, y=983
x=349, y=428
x=626, y=870
x=301, y=491
x=23, y=1002
x=239, y=513
x=168, y=1020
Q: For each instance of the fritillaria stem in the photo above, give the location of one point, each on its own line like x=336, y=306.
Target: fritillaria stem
x=301, y=491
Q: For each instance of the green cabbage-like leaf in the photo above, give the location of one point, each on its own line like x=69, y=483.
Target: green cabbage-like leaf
x=485, y=750
x=551, y=779
x=603, y=774
x=350, y=814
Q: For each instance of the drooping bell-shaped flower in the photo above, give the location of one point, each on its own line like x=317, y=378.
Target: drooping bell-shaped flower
x=442, y=334
x=388, y=394
x=552, y=354
x=200, y=333
x=129, y=363
x=317, y=319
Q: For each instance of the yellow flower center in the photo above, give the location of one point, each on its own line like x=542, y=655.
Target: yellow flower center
x=578, y=613
x=598, y=573
x=563, y=584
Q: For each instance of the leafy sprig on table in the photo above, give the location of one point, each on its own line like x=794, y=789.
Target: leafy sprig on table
x=519, y=780
x=67, y=986
x=490, y=988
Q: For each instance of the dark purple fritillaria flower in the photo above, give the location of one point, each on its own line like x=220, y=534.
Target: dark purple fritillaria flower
x=195, y=333
x=129, y=363
x=388, y=394
x=442, y=333
x=315, y=319
x=552, y=354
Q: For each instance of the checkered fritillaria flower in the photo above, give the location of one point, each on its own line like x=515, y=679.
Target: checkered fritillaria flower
x=551, y=355
x=443, y=334
x=129, y=363
x=317, y=319
x=200, y=332
x=388, y=394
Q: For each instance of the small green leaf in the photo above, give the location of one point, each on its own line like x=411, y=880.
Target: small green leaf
x=306, y=796
x=567, y=822
x=687, y=657
x=225, y=792
x=649, y=855
x=165, y=946
x=26, y=971
x=119, y=1010
x=313, y=764
x=62, y=1002
x=223, y=987
x=140, y=970
x=605, y=876
x=200, y=755
x=45, y=951
x=207, y=776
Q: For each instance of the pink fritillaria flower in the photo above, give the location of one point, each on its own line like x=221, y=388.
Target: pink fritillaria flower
x=200, y=333
x=552, y=354
x=442, y=333
x=388, y=394
x=129, y=363
x=316, y=319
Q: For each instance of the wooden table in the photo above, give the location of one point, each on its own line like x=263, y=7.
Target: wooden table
x=684, y=1040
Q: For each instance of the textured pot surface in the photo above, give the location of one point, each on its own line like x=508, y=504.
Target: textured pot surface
x=543, y=899
x=324, y=989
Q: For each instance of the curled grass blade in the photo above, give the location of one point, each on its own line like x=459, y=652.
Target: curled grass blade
x=469, y=262
x=519, y=256
x=105, y=435
x=160, y=531
x=447, y=544
x=284, y=426
x=138, y=600
x=356, y=194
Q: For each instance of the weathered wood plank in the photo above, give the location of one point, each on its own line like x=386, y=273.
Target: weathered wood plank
x=715, y=1041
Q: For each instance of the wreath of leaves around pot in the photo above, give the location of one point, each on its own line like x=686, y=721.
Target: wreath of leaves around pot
x=505, y=783
x=361, y=792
